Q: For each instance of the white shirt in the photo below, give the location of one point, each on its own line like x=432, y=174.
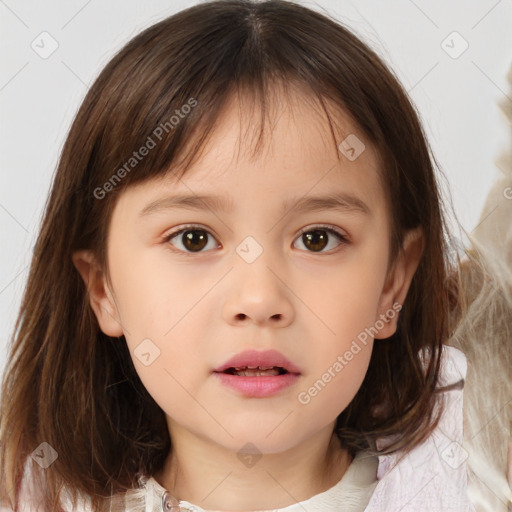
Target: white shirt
x=351, y=494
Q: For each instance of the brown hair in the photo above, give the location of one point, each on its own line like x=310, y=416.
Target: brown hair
x=70, y=385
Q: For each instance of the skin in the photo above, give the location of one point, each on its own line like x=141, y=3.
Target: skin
x=201, y=308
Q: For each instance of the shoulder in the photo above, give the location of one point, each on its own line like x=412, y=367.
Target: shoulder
x=433, y=475
x=454, y=365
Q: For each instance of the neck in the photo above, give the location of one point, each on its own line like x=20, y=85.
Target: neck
x=214, y=478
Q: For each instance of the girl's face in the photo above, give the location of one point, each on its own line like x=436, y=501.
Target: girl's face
x=241, y=276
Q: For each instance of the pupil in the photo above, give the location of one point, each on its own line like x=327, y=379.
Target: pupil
x=317, y=239
x=191, y=238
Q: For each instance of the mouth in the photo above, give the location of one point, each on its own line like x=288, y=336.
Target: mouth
x=257, y=382
x=258, y=374
x=257, y=371
x=254, y=363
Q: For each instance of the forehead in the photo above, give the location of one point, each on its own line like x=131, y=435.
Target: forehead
x=298, y=155
x=291, y=123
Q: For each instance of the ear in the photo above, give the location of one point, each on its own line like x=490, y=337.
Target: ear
x=100, y=295
x=398, y=281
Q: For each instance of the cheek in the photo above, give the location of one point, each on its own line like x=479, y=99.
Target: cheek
x=171, y=370
x=160, y=322
x=345, y=294
x=327, y=391
x=150, y=296
x=345, y=305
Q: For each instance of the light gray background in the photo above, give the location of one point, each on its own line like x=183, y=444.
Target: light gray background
x=457, y=97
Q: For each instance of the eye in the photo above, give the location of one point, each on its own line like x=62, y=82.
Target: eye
x=193, y=238
x=317, y=238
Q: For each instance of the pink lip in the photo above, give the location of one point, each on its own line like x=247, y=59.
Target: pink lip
x=259, y=358
x=258, y=387
x=263, y=385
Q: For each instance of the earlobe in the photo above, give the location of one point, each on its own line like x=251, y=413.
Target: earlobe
x=399, y=280
x=100, y=296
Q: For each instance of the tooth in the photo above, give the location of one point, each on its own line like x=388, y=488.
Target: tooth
x=238, y=368
x=257, y=373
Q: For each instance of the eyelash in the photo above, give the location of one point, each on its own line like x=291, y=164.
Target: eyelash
x=190, y=227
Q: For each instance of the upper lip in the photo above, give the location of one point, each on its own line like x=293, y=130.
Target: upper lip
x=256, y=358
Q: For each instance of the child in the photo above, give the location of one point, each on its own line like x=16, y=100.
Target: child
x=298, y=358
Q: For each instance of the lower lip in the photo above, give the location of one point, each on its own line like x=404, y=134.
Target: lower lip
x=259, y=387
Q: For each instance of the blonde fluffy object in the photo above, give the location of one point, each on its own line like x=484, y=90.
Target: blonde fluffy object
x=484, y=334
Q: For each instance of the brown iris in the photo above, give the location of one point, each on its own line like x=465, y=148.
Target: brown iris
x=317, y=239
x=195, y=239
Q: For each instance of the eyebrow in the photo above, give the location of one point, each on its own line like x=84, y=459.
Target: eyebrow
x=340, y=201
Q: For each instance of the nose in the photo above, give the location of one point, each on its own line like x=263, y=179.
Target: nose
x=258, y=293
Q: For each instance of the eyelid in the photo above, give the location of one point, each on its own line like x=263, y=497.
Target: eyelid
x=328, y=227
x=185, y=227
x=305, y=229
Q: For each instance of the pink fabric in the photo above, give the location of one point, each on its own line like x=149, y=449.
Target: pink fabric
x=432, y=477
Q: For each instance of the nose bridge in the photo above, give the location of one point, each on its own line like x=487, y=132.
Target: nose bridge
x=257, y=289
x=256, y=264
